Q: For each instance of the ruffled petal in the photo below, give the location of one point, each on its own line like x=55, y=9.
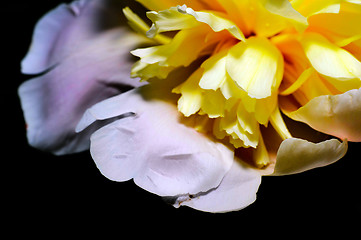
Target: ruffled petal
x=297, y=155
x=182, y=17
x=152, y=145
x=96, y=69
x=63, y=30
x=237, y=190
x=338, y=115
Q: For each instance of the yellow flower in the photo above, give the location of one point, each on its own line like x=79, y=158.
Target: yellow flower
x=249, y=60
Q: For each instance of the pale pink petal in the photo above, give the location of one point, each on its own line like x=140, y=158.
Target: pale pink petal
x=237, y=190
x=338, y=115
x=297, y=155
x=151, y=145
x=96, y=69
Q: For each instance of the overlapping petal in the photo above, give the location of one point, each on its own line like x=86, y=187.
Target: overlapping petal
x=339, y=66
x=256, y=66
x=90, y=63
x=236, y=191
x=174, y=159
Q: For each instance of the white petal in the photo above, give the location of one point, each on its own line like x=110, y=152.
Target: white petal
x=153, y=146
x=237, y=190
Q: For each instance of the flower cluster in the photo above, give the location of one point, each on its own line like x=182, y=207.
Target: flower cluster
x=224, y=92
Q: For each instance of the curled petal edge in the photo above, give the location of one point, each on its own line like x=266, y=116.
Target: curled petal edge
x=297, y=155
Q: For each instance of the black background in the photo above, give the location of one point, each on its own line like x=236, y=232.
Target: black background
x=46, y=192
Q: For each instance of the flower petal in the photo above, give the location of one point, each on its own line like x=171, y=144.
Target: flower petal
x=153, y=146
x=256, y=66
x=64, y=29
x=338, y=115
x=339, y=66
x=54, y=102
x=312, y=7
x=157, y=5
x=237, y=190
x=339, y=28
x=297, y=155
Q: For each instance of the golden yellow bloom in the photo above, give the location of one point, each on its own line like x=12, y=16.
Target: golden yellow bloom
x=248, y=61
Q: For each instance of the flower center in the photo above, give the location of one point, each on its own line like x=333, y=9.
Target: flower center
x=241, y=55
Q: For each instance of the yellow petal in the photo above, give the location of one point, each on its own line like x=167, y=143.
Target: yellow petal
x=343, y=69
x=314, y=86
x=297, y=155
x=264, y=108
x=279, y=125
x=247, y=120
x=355, y=49
x=147, y=71
x=182, y=17
x=256, y=66
x=158, y=5
x=284, y=9
x=305, y=75
x=260, y=155
x=169, y=20
x=217, y=23
x=178, y=52
x=338, y=115
x=311, y=7
x=214, y=71
x=229, y=88
x=213, y=104
x=238, y=124
x=342, y=28
x=191, y=100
